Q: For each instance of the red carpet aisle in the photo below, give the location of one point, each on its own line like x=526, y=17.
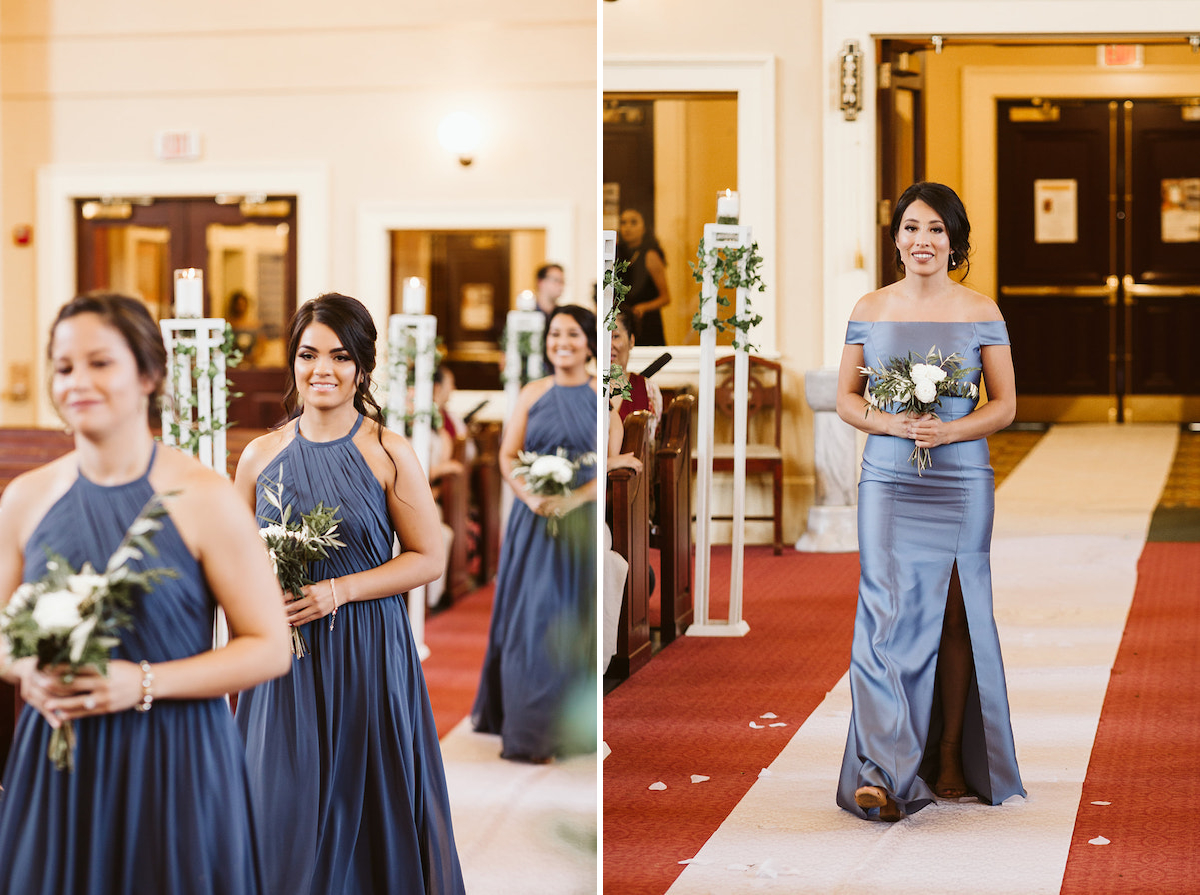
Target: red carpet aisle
x=689, y=712
x=520, y=829
x=457, y=641
x=1071, y=523
x=1142, y=787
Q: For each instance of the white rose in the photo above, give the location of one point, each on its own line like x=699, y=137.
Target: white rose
x=57, y=611
x=928, y=373
x=902, y=397
x=926, y=391
x=86, y=584
x=21, y=598
x=554, y=468
x=972, y=390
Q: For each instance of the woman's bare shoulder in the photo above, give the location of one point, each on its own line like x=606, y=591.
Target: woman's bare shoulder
x=977, y=307
x=870, y=308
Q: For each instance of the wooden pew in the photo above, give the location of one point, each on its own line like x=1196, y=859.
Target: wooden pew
x=486, y=488
x=630, y=501
x=453, y=492
x=673, y=534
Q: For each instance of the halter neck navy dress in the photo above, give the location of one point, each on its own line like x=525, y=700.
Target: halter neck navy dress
x=538, y=650
x=158, y=801
x=343, y=752
x=912, y=531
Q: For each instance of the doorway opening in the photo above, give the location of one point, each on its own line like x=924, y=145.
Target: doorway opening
x=474, y=278
x=667, y=155
x=1106, y=353
x=246, y=247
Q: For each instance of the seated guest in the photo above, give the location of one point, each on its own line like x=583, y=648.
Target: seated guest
x=644, y=394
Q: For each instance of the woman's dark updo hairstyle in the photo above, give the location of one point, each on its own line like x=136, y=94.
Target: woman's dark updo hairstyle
x=581, y=315
x=128, y=316
x=628, y=322
x=352, y=324
x=949, y=208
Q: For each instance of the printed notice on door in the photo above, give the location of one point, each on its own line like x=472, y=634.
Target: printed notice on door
x=1055, y=211
x=1181, y=209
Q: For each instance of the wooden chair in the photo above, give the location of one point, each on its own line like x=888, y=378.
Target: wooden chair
x=630, y=501
x=764, y=455
x=673, y=535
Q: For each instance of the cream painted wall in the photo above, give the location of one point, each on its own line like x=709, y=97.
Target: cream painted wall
x=790, y=31
x=355, y=88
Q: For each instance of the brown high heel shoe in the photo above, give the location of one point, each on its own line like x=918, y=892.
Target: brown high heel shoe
x=867, y=797
x=951, y=786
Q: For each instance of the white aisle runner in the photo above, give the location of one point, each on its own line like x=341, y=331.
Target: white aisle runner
x=521, y=829
x=1070, y=525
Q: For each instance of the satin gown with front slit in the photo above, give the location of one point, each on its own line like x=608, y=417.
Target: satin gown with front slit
x=913, y=530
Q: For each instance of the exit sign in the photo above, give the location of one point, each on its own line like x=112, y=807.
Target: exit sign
x=176, y=145
x=1120, y=55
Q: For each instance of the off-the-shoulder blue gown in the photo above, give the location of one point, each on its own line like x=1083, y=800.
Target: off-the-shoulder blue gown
x=539, y=646
x=158, y=801
x=343, y=752
x=912, y=531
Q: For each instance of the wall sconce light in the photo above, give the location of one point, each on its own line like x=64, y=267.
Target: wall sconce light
x=851, y=79
x=460, y=134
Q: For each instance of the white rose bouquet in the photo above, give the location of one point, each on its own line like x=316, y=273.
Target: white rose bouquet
x=917, y=384
x=293, y=545
x=550, y=474
x=70, y=620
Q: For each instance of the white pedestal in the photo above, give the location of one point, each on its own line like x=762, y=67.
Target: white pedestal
x=833, y=519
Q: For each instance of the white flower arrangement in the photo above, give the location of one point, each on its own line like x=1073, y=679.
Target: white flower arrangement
x=550, y=474
x=917, y=384
x=70, y=620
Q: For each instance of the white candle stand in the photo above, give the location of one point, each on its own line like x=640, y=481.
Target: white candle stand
x=413, y=336
x=194, y=354
x=520, y=321
x=608, y=246
x=719, y=236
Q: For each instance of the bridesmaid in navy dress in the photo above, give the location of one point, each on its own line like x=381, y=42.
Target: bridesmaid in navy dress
x=159, y=799
x=344, y=757
x=541, y=646
x=930, y=706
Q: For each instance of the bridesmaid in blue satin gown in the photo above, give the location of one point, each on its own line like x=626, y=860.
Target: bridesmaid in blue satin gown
x=159, y=799
x=930, y=712
x=345, y=763
x=541, y=646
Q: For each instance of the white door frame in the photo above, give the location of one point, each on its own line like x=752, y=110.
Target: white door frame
x=58, y=186
x=752, y=78
x=850, y=165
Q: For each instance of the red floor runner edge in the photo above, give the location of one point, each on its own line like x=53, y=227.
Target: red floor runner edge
x=1143, y=765
x=457, y=641
x=689, y=712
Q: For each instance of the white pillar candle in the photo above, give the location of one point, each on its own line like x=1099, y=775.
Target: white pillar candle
x=414, y=296
x=526, y=301
x=189, y=292
x=727, y=207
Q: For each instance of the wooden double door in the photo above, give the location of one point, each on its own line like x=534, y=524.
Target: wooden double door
x=1099, y=256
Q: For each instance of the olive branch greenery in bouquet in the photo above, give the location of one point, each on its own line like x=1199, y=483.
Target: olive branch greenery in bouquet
x=915, y=385
x=292, y=545
x=550, y=474
x=70, y=620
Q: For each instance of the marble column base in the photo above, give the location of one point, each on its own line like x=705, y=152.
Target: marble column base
x=830, y=530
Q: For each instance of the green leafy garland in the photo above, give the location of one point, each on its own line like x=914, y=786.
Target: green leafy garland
x=614, y=375
x=732, y=267
x=405, y=356
x=184, y=430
